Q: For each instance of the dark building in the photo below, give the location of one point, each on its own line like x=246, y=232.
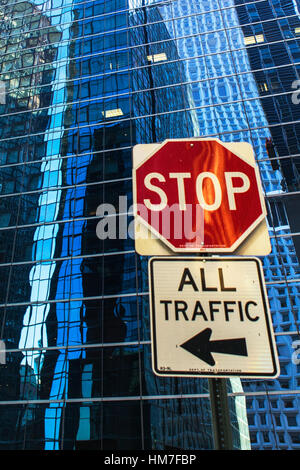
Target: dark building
x=23, y=112
x=75, y=308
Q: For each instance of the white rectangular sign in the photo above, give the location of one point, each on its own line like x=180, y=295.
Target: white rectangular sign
x=210, y=318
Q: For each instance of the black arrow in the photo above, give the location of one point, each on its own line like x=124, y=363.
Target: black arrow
x=201, y=346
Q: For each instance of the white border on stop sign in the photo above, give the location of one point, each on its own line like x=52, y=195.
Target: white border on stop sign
x=149, y=243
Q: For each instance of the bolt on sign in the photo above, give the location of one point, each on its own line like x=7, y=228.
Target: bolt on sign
x=210, y=317
x=198, y=195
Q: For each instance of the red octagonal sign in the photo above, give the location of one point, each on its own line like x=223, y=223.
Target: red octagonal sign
x=197, y=195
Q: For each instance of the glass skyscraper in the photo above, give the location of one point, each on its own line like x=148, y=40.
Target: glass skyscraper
x=84, y=82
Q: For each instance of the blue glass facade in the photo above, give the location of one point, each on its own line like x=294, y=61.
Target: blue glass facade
x=85, y=81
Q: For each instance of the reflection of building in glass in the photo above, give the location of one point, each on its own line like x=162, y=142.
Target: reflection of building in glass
x=158, y=80
x=23, y=112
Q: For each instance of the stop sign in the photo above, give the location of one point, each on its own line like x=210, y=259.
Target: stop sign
x=198, y=195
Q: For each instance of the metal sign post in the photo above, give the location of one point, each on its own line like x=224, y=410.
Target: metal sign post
x=209, y=317
x=220, y=414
